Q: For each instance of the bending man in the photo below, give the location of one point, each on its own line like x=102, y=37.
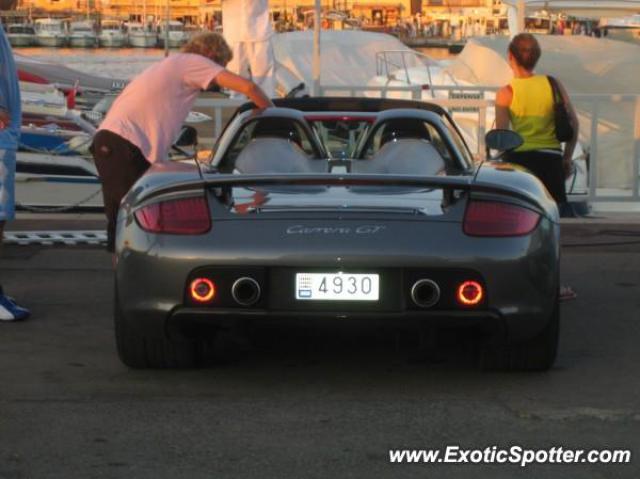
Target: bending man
x=146, y=118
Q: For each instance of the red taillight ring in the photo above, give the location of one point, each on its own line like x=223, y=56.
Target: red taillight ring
x=470, y=293
x=202, y=290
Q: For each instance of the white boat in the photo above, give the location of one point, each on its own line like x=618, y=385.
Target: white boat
x=50, y=32
x=622, y=28
x=176, y=32
x=82, y=34
x=37, y=99
x=140, y=36
x=52, y=181
x=21, y=34
x=112, y=35
x=353, y=59
x=66, y=78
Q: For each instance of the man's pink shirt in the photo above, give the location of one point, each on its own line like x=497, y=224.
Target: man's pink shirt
x=150, y=111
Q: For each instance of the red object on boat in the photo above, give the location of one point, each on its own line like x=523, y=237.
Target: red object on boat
x=71, y=96
x=31, y=78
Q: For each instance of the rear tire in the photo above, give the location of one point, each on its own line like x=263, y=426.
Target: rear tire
x=140, y=351
x=535, y=354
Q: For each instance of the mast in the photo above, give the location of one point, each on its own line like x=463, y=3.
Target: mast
x=166, y=30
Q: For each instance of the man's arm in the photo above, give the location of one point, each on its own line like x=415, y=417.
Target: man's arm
x=503, y=102
x=570, y=145
x=234, y=82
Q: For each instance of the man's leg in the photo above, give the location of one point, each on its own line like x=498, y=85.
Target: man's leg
x=239, y=64
x=262, y=62
x=9, y=310
x=120, y=164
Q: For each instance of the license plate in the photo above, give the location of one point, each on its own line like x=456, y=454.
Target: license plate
x=337, y=286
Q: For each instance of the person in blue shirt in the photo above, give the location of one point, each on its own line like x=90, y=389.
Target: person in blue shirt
x=10, y=119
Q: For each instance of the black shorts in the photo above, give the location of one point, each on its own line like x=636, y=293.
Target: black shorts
x=120, y=163
x=547, y=166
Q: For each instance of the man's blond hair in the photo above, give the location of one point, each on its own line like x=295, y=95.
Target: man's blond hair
x=210, y=45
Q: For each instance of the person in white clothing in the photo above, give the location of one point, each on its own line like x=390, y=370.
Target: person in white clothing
x=246, y=27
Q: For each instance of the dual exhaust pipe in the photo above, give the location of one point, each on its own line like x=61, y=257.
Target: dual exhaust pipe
x=246, y=291
x=425, y=293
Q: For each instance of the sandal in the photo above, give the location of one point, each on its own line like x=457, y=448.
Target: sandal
x=567, y=293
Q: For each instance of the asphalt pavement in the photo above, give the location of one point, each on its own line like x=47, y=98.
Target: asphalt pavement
x=327, y=401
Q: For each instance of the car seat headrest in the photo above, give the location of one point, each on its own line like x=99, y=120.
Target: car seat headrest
x=404, y=128
x=284, y=128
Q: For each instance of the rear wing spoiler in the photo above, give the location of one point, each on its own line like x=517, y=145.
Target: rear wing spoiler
x=224, y=182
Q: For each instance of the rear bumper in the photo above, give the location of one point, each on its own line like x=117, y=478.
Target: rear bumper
x=226, y=317
x=181, y=321
x=520, y=275
x=186, y=321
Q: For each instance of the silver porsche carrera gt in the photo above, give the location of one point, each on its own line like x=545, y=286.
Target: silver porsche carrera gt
x=339, y=208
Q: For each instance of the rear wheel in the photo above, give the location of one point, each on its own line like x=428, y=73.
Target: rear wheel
x=138, y=350
x=535, y=354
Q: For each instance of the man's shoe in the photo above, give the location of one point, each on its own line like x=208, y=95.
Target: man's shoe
x=10, y=311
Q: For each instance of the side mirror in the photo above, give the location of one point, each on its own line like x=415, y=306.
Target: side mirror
x=188, y=137
x=502, y=140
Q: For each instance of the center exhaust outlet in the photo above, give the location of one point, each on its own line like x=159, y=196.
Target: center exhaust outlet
x=246, y=291
x=425, y=293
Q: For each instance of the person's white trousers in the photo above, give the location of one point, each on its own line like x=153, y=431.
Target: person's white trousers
x=255, y=60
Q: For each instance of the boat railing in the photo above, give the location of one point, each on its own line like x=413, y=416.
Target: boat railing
x=390, y=62
x=596, y=128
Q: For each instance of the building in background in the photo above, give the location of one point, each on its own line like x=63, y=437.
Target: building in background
x=371, y=13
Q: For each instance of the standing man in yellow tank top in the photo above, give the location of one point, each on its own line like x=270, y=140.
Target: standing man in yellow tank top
x=527, y=105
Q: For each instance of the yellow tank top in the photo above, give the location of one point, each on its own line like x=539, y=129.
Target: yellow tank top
x=531, y=113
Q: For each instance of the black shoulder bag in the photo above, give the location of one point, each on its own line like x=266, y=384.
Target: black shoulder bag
x=564, y=129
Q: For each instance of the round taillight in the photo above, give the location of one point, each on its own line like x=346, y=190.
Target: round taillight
x=202, y=290
x=470, y=293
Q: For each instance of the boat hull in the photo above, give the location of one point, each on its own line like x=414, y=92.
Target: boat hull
x=17, y=40
x=624, y=34
x=83, y=42
x=50, y=181
x=175, y=42
x=142, y=41
x=112, y=41
x=51, y=41
x=57, y=191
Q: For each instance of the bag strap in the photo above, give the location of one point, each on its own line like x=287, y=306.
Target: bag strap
x=557, y=97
